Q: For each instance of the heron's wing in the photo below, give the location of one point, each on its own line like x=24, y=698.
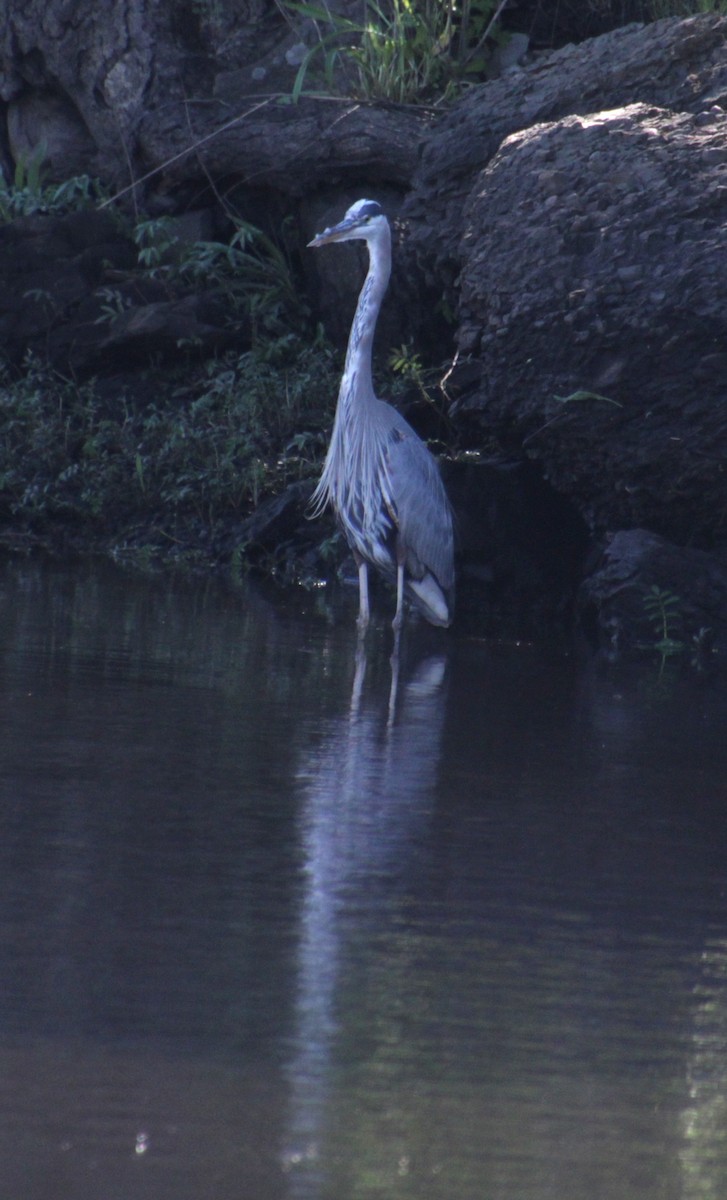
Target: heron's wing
x=420, y=505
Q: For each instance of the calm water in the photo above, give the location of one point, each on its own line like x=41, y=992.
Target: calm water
x=267, y=931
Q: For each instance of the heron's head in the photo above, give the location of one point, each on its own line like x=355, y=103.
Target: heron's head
x=364, y=220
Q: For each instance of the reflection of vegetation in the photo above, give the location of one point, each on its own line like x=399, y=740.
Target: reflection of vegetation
x=187, y=633
x=464, y=1064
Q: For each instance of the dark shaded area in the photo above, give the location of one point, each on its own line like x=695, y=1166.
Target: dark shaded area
x=645, y=588
x=520, y=549
x=553, y=23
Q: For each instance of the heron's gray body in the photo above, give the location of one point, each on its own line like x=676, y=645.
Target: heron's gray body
x=380, y=478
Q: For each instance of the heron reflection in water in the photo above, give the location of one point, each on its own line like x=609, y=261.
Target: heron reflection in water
x=367, y=796
x=379, y=477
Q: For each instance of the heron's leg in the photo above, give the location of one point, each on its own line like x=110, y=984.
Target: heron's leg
x=399, y=614
x=393, y=690
x=363, y=593
x=358, y=679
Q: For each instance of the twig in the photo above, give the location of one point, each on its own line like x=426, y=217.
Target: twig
x=187, y=150
x=493, y=21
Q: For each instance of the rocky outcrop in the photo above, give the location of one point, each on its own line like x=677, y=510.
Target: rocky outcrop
x=52, y=271
x=677, y=65
x=647, y=593
x=77, y=75
x=574, y=214
x=596, y=306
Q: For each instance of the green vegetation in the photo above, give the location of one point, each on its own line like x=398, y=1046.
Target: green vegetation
x=406, y=51
x=425, y=51
x=586, y=395
x=174, y=461
x=176, y=474
x=167, y=462
x=28, y=194
x=253, y=272
x=673, y=641
x=663, y=610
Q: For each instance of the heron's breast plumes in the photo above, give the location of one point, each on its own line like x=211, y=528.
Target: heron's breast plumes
x=355, y=482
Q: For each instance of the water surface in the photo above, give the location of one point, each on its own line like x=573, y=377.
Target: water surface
x=269, y=930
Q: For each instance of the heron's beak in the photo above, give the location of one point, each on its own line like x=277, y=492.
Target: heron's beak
x=337, y=233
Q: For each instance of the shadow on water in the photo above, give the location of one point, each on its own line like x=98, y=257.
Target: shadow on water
x=266, y=932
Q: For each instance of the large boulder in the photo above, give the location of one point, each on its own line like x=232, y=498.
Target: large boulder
x=678, y=65
x=597, y=306
x=75, y=76
x=645, y=593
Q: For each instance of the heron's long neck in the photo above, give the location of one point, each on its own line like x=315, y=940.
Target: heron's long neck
x=357, y=383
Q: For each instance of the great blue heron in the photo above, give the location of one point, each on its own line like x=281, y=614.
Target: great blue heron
x=380, y=478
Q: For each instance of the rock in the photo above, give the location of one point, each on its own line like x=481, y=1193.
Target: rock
x=96, y=59
x=190, y=91
x=73, y=295
x=49, y=266
x=275, y=522
x=510, y=53
x=41, y=123
x=674, y=64
x=600, y=320
x=292, y=149
x=143, y=333
x=637, y=567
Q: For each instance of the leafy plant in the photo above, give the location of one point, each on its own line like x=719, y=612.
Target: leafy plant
x=663, y=610
x=233, y=435
x=408, y=364
x=257, y=274
x=28, y=194
x=404, y=51
x=584, y=394
x=155, y=239
x=114, y=304
x=430, y=383
x=252, y=270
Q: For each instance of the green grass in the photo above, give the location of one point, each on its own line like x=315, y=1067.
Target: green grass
x=27, y=193
x=405, y=51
